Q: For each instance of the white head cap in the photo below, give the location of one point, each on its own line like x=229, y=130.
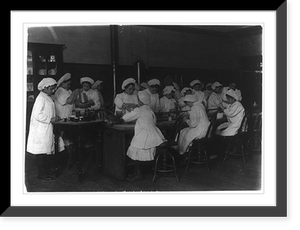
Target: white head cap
x=215, y=84
x=65, y=77
x=86, y=79
x=233, y=94
x=126, y=82
x=144, y=97
x=190, y=98
x=153, y=82
x=195, y=82
x=168, y=89
x=45, y=82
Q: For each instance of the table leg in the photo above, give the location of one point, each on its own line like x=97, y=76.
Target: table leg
x=56, y=153
x=79, y=157
x=99, y=150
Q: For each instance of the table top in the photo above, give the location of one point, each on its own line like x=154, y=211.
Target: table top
x=61, y=122
x=130, y=126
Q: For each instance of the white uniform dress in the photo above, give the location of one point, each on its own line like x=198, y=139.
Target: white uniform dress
x=146, y=135
x=199, y=94
x=41, y=137
x=166, y=104
x=235, y=114
x=154, y=98
x=122, y=98
x=198, y=125
x=214, y=101
x=63, y=109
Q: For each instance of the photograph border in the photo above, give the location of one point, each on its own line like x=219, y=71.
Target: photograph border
x=279, y=210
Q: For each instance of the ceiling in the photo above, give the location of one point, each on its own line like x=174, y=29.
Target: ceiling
x=214, y=30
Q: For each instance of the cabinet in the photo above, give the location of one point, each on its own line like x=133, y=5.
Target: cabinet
x=43, y=60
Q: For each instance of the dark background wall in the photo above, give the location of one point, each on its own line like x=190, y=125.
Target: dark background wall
x=183, y=54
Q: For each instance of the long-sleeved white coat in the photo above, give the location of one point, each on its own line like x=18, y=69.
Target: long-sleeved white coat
x=41, y=137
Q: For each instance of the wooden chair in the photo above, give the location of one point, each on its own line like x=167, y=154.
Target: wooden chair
x=199, y=151
x=237, y=140
x=254, y=130
x=165, y=158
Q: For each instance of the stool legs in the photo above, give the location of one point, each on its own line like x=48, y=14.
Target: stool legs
x=162, y=159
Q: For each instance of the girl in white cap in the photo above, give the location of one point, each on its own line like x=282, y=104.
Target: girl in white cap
x=196, y=120
x=40, y=140
x=97, y=86
x=64, y=97
x=214, y=102
x=146, y=135
x=91, y=95
x=152, y=90
x=185, y=91
x=196, y=85
x=235, y=113
x=167, y=102
x=126, y=101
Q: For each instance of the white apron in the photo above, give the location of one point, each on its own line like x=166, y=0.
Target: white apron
x=146, y=135
x=198, y=125
x=41, y=137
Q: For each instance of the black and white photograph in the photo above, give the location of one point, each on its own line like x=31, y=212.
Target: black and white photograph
x=148, y=113
x=122, y=108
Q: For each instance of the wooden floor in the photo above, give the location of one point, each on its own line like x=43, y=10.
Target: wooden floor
x=232, y=175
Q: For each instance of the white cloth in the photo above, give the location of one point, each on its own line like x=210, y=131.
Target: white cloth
x=63, y=110
x=122, y=98
x=166, y=104
x=41, y=137
x=154, y=98
x=98, y=82
x=198, y=124
x=235, y=114
x=237, y=92
x=45, y=82
x=146, y=135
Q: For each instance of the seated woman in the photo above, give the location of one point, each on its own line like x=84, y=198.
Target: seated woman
x=91, y=95
x=235, y=113
x=196, y=85
x=152, y=90
x=197, y=121
x=185, y=91
x=126, y=101
x=167, y=102
x=214, y=102
x=146, y=135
